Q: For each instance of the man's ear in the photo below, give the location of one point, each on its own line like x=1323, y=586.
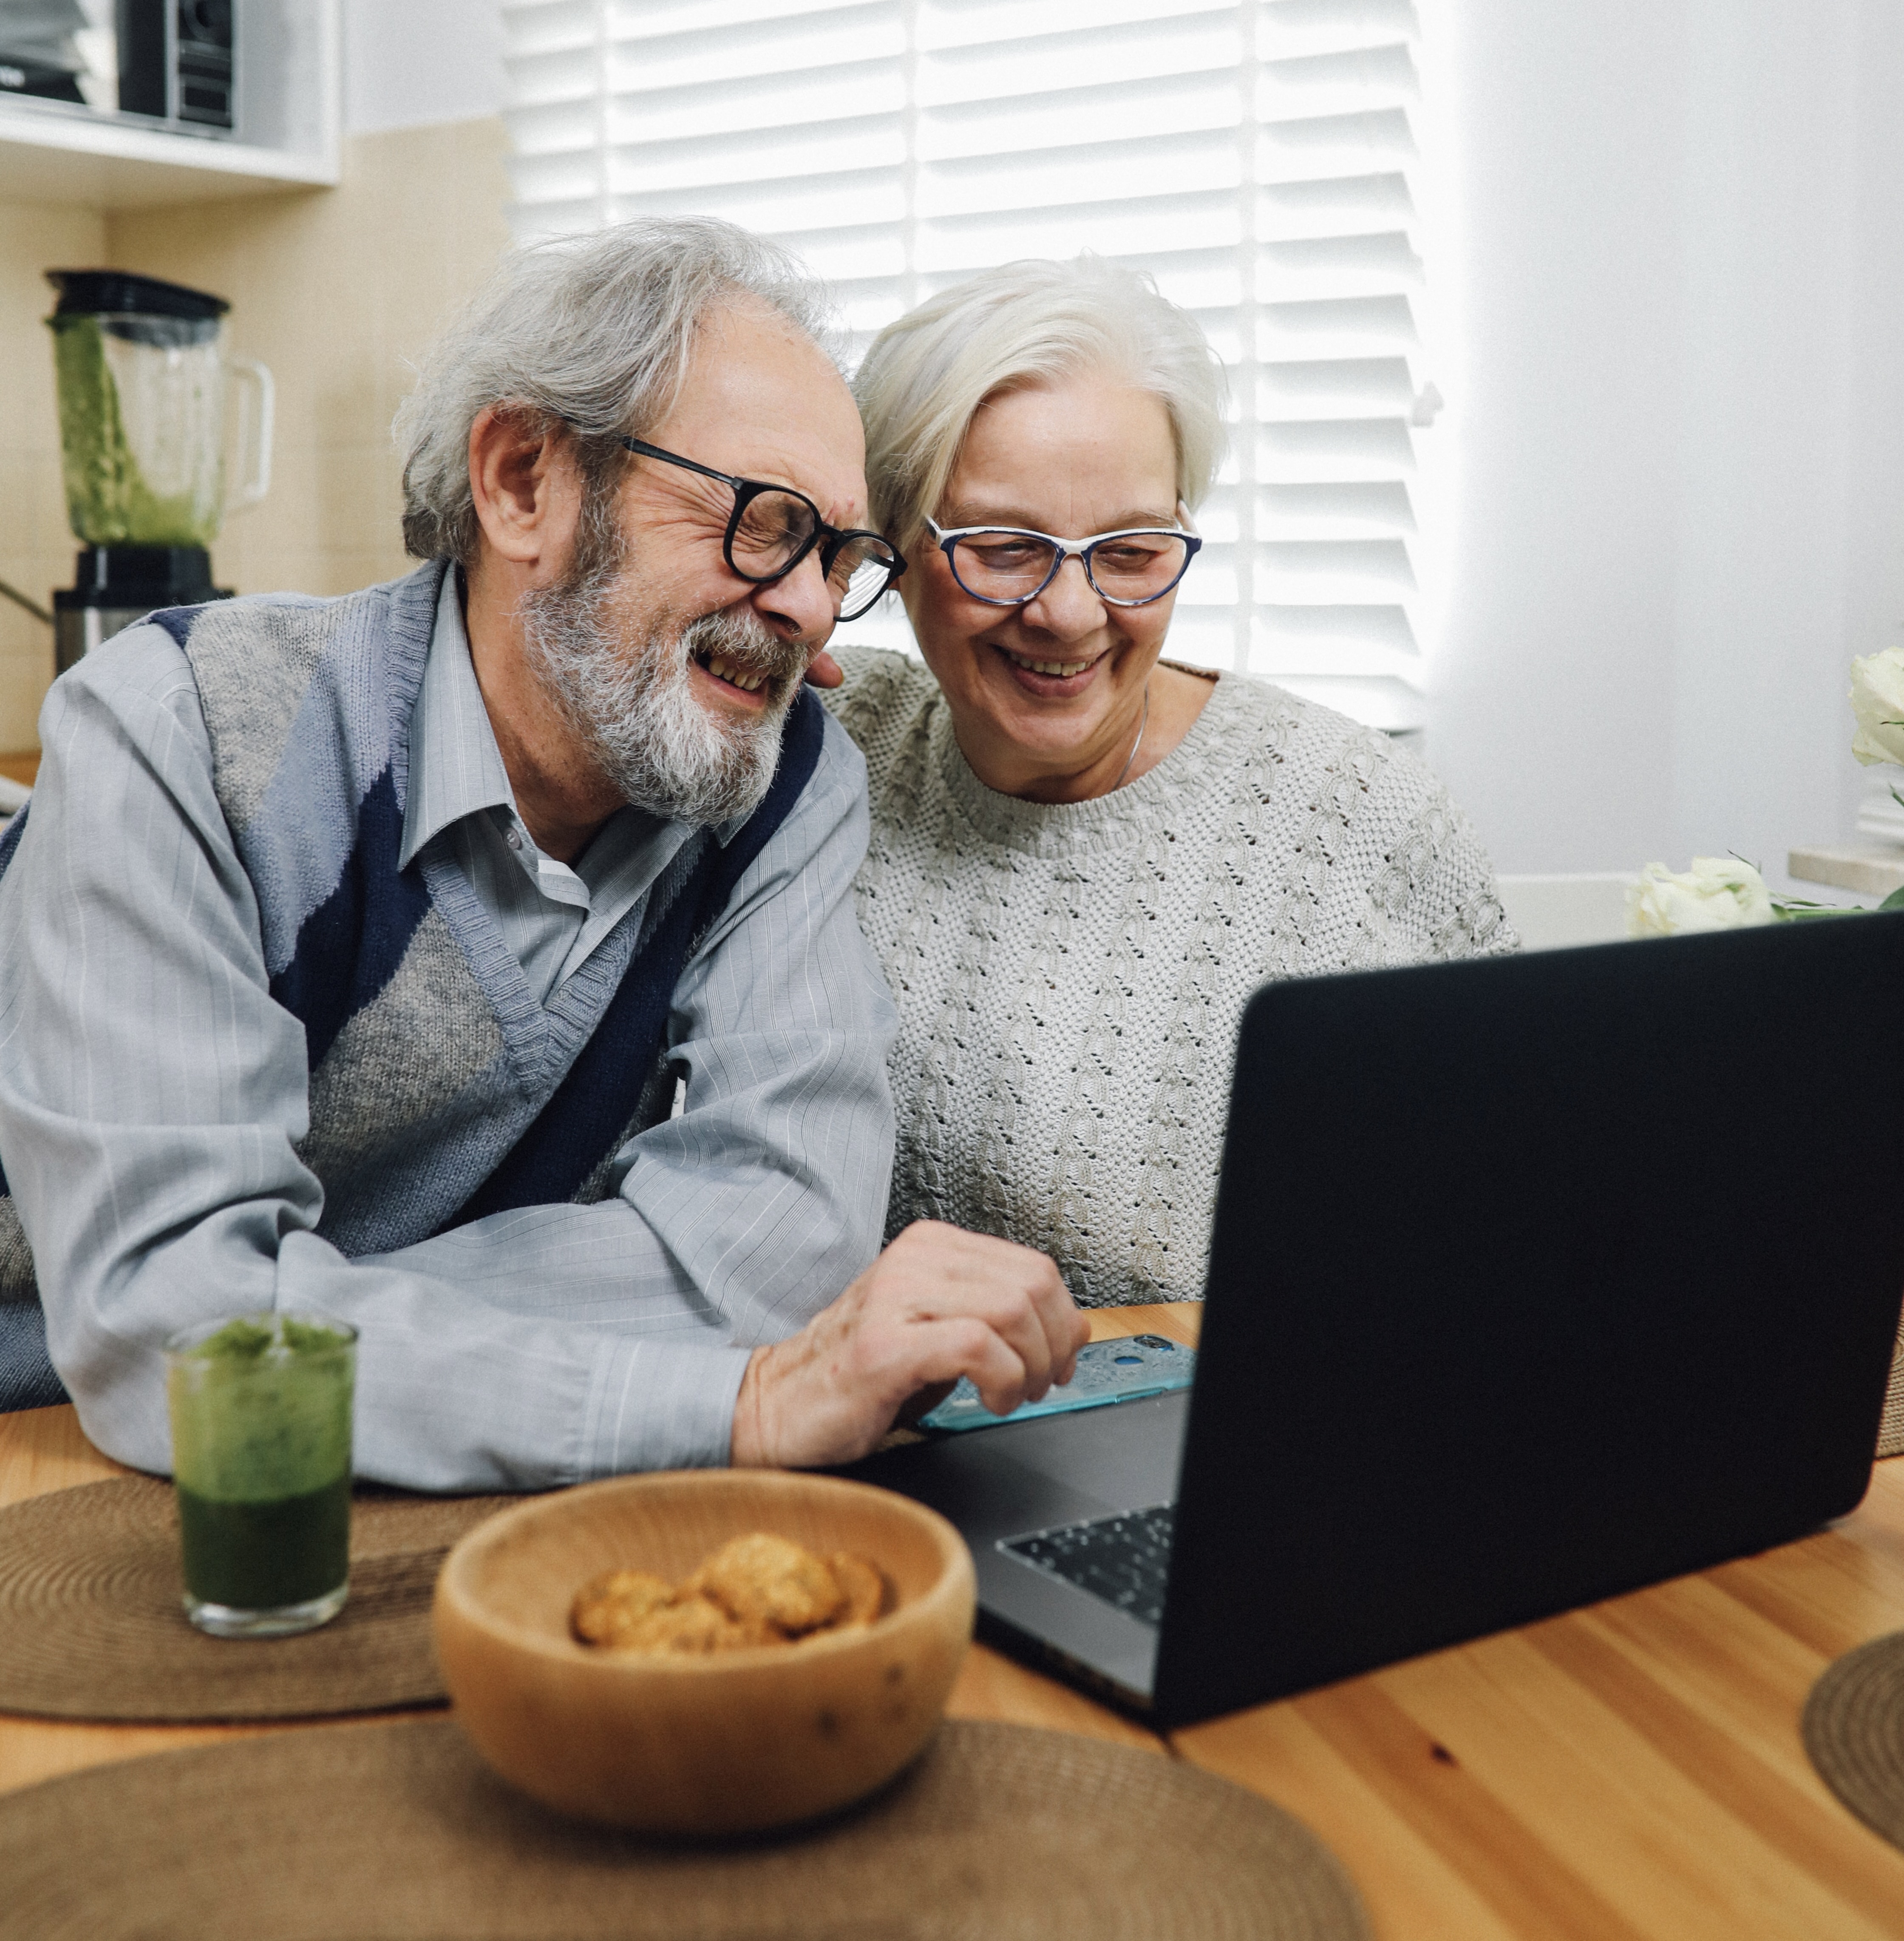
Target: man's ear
x=525, y=488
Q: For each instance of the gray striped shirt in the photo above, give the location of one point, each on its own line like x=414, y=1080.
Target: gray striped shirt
x=151, y=1098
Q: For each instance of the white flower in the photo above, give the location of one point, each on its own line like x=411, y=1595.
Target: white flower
x=1878, y=701
x=1717, y=892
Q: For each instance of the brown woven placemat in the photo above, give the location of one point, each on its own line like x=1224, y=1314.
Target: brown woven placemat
x=90, y=1626
x=399, y=1831
x=1853, y=1729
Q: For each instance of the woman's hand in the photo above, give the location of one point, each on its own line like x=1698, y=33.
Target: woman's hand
x=938, y=1303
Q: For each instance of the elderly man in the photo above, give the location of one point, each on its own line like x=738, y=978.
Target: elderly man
x=472, y=958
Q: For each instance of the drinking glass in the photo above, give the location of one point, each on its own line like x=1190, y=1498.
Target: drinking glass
x=260, y=1454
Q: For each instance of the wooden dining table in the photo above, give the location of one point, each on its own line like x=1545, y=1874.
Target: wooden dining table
x=1631, y=1769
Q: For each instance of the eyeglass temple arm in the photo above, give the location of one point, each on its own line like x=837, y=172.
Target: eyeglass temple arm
x=675, y=458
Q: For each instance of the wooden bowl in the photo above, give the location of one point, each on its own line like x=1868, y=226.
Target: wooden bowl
x=727, y=1743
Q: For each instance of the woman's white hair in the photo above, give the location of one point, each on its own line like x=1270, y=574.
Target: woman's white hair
x=593, y=330
x=925, y=376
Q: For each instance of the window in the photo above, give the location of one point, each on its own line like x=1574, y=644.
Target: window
x=1260, y=158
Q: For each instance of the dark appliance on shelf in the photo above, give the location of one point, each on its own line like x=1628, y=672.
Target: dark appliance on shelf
x=176, y=62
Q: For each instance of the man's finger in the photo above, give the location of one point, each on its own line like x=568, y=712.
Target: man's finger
x=1015, y=1288
x=1065, y=1329
x=942, y=1351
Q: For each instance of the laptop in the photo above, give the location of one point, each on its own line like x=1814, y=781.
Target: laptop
x=1532, y=1280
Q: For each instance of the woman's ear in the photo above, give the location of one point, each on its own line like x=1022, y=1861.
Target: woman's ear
x=524, y=488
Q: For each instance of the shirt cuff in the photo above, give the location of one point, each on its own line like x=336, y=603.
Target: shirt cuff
x=662, y=1404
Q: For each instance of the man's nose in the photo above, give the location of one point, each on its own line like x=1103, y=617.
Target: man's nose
x=800, y=605
x=1069, y=608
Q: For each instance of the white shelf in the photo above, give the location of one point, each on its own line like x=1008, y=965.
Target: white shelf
x=102, y=164
x=287, y=137
x=1872, y=869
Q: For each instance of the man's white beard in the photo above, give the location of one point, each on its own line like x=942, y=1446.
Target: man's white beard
x=631, y=698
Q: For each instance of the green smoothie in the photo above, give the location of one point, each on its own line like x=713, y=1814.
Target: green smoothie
x=108, y=502
x=261, y=1453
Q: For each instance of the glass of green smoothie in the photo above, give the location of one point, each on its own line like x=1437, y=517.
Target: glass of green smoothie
x=260, y=1454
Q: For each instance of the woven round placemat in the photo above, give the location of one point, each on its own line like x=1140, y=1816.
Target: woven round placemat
x=399, y=1831
x=90, y=1626
x=1853, y=1729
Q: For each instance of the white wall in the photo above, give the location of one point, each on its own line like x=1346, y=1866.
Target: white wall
x=413, y=63
x=1678, y=407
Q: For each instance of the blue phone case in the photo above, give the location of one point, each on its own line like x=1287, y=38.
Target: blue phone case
x=1108, y=1371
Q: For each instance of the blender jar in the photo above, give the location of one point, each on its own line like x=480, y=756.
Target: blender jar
x=141, y=385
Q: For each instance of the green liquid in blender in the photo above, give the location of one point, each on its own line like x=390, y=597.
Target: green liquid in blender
x=261, y=1453
x=108, y=502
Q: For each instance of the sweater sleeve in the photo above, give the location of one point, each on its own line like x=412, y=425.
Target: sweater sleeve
x=1438, y=889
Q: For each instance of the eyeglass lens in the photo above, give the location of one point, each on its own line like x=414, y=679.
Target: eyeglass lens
x=772, y=529
x=861, y=571
x=1010, y=567
x=775, y=527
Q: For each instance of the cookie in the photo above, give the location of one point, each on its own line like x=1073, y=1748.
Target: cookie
x=761, y=1579
x=863, y=1587
x=606, y=1607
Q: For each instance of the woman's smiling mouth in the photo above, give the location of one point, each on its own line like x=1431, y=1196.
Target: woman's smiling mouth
x=1046, y=666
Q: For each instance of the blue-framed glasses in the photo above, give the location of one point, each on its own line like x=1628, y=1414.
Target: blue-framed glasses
x=773, y=527
x=1005, y=566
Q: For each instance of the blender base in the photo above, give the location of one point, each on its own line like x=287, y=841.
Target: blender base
x=118, y=585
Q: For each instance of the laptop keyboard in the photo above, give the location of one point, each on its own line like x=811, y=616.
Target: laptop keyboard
x=1124, y=1559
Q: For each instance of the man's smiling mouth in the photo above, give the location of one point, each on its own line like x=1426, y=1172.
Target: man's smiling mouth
x=723, y=669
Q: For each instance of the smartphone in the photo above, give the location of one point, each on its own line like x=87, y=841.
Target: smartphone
x=1108, y=1371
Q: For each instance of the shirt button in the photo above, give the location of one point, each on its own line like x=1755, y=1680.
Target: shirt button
x=515, y=840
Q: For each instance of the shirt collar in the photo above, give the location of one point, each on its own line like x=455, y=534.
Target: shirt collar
x=456, y=768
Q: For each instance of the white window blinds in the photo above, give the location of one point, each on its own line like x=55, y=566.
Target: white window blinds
x=1259, y=157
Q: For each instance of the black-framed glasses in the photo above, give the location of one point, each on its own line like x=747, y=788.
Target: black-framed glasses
x=773, y=528
x=1005, y=566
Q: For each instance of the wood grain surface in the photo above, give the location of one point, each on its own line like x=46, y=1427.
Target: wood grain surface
x=1631, y=1770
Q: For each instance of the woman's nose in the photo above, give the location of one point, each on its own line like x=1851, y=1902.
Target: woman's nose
x=1069, y=608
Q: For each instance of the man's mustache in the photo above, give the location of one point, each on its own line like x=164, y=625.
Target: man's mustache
x=744, y=642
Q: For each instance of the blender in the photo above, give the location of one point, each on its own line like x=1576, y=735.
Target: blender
x=142, y=383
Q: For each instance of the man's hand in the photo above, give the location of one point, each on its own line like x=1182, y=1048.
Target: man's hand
x=938, y=1303
x=823, y=671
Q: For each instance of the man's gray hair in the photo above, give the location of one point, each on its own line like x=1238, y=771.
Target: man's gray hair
x=593, y=331
x=926, y=375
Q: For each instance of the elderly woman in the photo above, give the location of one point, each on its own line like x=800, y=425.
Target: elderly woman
x=1084, y=857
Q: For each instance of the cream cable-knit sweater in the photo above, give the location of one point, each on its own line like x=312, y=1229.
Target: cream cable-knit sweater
x=1070, y=977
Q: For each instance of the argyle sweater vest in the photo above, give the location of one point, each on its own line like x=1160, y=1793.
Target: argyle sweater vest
x=440, y=1090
